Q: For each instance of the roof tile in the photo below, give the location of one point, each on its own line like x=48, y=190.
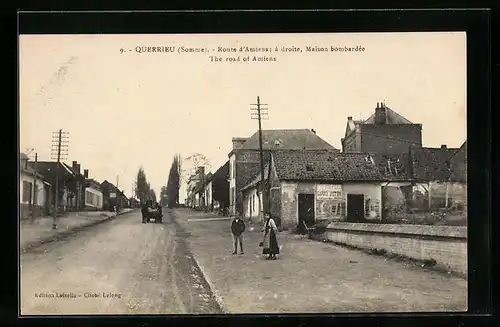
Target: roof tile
x=325, y=165
x=286, y=139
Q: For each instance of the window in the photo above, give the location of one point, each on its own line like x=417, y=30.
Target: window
x=27, y=189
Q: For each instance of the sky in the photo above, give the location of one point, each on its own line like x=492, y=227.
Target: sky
x=129, y=109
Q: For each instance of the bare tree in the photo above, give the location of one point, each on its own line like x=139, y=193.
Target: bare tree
x=195, y=161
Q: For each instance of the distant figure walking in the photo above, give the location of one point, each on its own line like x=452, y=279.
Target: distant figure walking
x=270, y=242
x=237, y=228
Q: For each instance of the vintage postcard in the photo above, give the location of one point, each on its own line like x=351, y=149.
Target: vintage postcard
x=243, y=173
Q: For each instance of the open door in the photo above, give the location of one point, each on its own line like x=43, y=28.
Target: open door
x=355, y=207
x=306, y=210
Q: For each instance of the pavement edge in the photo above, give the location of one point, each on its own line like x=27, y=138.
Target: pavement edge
x=68, y=232
x=215, y=293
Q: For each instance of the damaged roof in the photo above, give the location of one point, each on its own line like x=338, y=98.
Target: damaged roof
x=431, y=164
x=394, y=167
x=458, y=164
x=325, y=165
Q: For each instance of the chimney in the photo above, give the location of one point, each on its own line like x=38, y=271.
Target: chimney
x=238, y=142
x=86, y=173
x=349, y=118
x=380, y=114
x=443, y=146
x=73, y=165
x=77, y=166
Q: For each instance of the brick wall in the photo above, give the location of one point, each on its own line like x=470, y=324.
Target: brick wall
x=390, y=138
x=447, y=245
x=351, y=143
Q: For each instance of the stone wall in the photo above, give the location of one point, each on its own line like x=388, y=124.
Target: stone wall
x=446, y=245
x=289, y=205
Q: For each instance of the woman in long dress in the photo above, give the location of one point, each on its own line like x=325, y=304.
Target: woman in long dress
x=270, y=244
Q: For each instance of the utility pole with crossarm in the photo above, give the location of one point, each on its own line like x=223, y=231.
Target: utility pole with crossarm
x=259, y=113
x=59, y=151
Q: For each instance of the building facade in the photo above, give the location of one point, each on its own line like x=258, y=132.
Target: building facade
x=220, y=189
x=94, y=198
x=385, y=131
x=62, y=175
x=432, y=178
x=34, y=191
x=208, y=189
x=309, y=185
x=244, y=158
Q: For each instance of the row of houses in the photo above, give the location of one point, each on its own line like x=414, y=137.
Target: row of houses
x=382, y=171
x=76, y=190
x=209, y=192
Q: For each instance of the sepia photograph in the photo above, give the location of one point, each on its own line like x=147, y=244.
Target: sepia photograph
x=181, y=174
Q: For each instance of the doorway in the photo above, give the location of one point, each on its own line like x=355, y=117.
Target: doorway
x=355, y=208
x=306, y=210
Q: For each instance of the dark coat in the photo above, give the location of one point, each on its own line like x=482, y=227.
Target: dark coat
x=144, y=209
x=238, y=227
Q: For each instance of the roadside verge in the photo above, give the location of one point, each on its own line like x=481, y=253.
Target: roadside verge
x=54, y=235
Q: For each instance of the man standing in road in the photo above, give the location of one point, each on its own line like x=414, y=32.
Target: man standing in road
x=237, y=228
x=144, y=211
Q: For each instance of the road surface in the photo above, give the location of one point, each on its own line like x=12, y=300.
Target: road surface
x=118, y=267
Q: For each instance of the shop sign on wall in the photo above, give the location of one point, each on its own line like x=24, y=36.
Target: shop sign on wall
x=325, y=191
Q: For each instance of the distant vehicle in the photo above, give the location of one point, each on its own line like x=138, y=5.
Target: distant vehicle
x=154, y=212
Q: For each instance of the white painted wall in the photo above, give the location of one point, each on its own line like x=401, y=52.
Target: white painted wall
x=370, y=190
x=208, y=194
x=98, y=194
x=232, y=182
x=251, y=204
x=41, y=196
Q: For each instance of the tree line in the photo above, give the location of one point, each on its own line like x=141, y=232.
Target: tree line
x=178, y=173
x=170, y=192
x=143, y=190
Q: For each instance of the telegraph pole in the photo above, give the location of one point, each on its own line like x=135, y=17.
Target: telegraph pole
x=260, y=113
x=59, y=151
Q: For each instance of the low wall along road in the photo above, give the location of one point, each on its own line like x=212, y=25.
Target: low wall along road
x=446, y=245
